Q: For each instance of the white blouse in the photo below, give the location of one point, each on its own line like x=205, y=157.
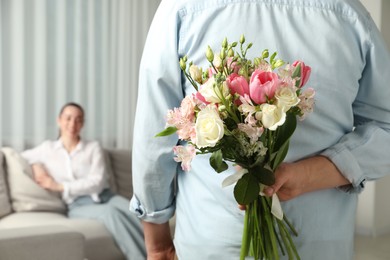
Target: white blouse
x=81, y=172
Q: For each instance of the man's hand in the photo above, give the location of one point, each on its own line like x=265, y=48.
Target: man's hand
x=158, y=241
x=315, y=173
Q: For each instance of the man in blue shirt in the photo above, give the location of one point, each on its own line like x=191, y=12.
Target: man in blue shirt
x=339, y=147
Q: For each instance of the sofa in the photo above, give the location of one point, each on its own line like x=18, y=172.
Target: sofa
x=33, y=221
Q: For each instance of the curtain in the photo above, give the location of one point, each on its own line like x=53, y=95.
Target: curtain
x=56, y=51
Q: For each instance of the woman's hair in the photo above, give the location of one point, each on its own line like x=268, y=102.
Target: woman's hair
x=71, y=104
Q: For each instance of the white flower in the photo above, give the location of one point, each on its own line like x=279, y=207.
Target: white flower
x=217, y=62
x=212, y=92
x=307, y=102
x=184, y=154
x=253, y=132
x=196, y=73
x=271, y=116
x=286, y=98
x=209, y=127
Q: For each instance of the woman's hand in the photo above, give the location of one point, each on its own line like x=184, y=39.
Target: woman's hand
x=43, y=178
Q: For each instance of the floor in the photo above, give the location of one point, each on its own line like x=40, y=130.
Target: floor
x=372, y=248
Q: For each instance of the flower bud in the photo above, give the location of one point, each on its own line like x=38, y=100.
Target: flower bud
x=217, y=62
x=265, y=54
x=196, y=73
x=183, y=64
x=230, y=53
x=222, y=54
x=278, y=63
x=242, y=39
x=225, y=43
x=221, y=108
x=209, y=54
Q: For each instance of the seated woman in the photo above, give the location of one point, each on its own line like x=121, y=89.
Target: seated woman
x=76, y=168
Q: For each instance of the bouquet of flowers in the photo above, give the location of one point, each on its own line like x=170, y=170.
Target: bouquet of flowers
x=245, y=111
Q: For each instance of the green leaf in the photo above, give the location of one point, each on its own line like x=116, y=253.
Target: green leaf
x=280, y=155
x=247, y=189
x=217, y=163
x=167, y=131
x=297, y=71
x=264, y=174
x=285, y=131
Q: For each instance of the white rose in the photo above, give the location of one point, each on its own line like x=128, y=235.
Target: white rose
x=272, y=116
x=286, y=98
x=211, y=92
x=209, y=127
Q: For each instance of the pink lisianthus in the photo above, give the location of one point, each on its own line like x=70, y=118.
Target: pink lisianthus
x=186, y=130
x=174, y=117
x=237, y=84
x=263, y=85
x=187, y=108
x=184, y=154
x=233, y=65
x=305, y=73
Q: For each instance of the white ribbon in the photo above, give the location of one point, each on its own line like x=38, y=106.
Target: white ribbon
x=231, y=179
x=276, y=207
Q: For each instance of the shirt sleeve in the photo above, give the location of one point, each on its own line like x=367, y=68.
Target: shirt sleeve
x=361, y=154
x=160, y=89
x=35, y=154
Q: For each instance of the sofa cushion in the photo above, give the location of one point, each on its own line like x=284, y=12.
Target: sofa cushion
x=44, y=244
x=110, y=172
x=121, y=166
x=5, y=205
x=25, y=194
x=99, y=244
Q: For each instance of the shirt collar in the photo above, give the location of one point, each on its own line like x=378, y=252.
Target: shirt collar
x=59, y=145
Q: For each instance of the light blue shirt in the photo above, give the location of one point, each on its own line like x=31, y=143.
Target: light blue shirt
x=351, y=77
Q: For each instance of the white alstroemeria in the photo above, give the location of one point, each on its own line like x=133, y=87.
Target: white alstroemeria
x=247, y=106
x=232, y=179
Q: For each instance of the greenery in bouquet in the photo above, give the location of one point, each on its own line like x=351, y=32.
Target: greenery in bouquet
x=245, y=111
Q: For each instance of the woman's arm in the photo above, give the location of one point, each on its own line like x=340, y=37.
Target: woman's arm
x=43, y=178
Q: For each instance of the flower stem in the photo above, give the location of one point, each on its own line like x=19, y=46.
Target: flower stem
x=246, y=234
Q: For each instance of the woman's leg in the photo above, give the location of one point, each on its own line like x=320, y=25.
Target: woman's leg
x=124, y=226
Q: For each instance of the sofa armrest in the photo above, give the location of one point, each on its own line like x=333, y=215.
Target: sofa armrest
x=50, y=242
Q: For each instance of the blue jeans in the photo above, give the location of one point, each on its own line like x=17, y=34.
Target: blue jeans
x=113, y=211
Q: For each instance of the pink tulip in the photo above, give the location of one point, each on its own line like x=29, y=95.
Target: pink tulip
x=237, y=84
x=263, y=85
x=305, y=72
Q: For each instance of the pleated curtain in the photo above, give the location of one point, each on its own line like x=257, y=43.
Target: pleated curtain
x=56, y=51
